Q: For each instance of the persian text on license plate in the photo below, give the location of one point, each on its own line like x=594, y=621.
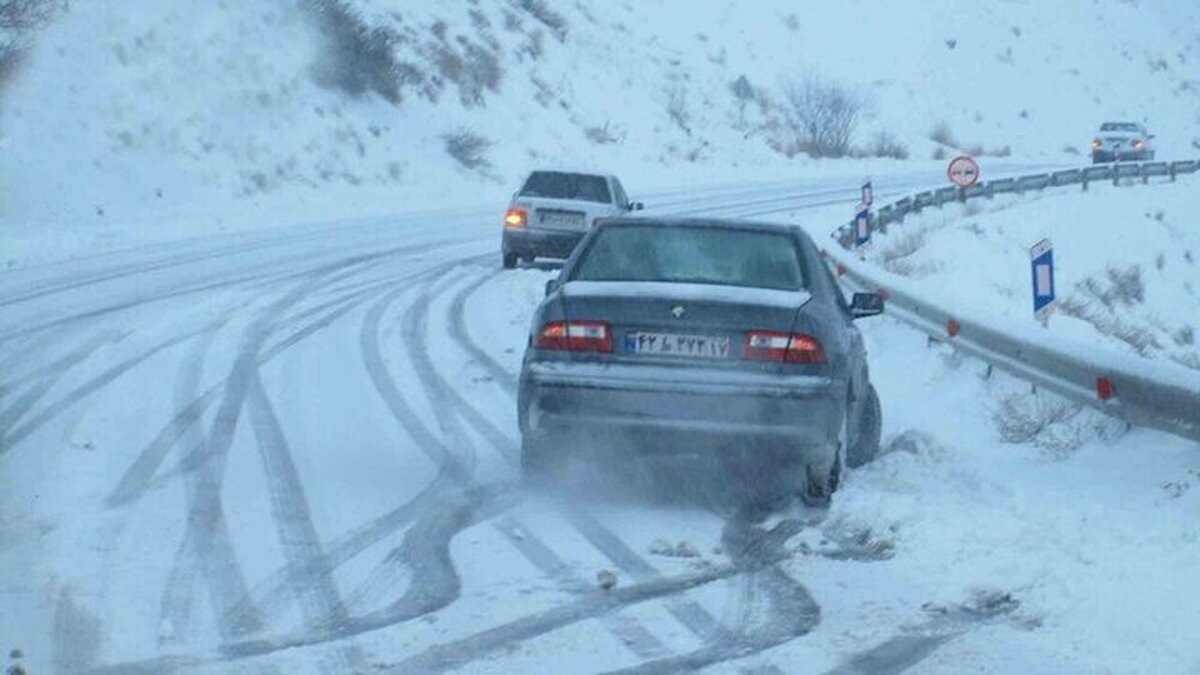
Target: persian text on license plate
x=563, y=220
x=673, y=344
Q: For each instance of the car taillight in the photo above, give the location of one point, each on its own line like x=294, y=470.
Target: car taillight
x=1138, y=144
x=765, y=345
x=1097, y=143
x=515, y=218
x=575, y=336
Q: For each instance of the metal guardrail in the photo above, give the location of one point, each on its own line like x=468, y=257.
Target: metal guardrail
x=1143, y=392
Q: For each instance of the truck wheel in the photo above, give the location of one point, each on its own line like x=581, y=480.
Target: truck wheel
x=510, y=260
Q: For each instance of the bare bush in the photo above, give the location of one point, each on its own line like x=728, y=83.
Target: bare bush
x=1053, y=424
x=941, y=133
x=603, y=135
x=20, y=16
x=677, y=108
x=356, y=57
x=1110, y=323
x=468, y=148
x=1069, y=149
x=548, y=17
x=885, y=144
x=822, y=114
x=939, y=153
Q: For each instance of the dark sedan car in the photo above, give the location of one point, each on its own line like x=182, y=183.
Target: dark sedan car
x=728, y=339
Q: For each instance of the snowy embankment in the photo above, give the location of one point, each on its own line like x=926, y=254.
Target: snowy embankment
x=190, y=118
x=1127, y=263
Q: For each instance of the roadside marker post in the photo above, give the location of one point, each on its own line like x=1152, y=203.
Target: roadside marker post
x=862, y=216
x=862, y=226
x=1041, y=264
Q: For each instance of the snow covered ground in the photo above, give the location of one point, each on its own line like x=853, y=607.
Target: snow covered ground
x=1127, y=262
x=299, y=455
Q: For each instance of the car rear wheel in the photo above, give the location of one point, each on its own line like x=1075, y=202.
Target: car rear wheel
x=821, y=481
x=510, y=260
x=865, y=445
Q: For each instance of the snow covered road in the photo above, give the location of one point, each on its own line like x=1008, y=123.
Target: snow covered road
x=297, y=452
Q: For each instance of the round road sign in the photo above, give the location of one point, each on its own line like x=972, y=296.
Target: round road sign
x=963, y=171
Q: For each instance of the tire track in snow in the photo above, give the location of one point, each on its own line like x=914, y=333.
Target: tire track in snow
x=791, y=611
x=44, y=378
x=139, y=476
x=309, y=570
x=206, y=547
x=456, y=653
x=22, y=431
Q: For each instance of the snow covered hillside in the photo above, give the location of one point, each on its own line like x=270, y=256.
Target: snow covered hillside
x=188, y=117
x=1127, y=262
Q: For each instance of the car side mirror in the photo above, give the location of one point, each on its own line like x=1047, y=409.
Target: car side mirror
x=1149, y=136
x=866, y=304
x=636, y=206
x=551, y=286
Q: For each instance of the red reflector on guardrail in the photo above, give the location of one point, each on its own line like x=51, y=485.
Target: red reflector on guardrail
x=1104, y=388
x=882, y=293
x=841, y=270
x=952, y=328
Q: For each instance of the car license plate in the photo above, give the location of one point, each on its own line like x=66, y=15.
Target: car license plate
x=674, y=344
x=561, y=220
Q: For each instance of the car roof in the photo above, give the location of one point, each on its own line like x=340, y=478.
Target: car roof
x=694, y=221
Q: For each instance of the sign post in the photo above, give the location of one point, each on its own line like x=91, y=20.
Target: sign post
x=1041, y=263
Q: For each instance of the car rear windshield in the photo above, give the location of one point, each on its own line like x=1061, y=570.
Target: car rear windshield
x=1118, y=126
x=556, y=185
x=703, y=255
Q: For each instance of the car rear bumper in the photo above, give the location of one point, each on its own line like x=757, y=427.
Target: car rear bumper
x=532, y=242
x=661, y=408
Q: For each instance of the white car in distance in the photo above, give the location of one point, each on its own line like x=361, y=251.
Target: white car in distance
x=554, y=209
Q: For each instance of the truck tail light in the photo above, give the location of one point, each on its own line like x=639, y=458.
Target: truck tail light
x=765, y=345
x=575, y=336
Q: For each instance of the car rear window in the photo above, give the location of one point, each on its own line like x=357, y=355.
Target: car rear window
x=1118, y=126
x=557, y=185
x=703, y=255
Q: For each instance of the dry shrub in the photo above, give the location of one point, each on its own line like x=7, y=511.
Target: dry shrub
x=885, y=144
x=822, y=114
x=468, y=148
x=941, y=133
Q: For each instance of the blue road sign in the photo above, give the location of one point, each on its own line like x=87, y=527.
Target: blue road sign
x=1041, y=263
x=862, y=226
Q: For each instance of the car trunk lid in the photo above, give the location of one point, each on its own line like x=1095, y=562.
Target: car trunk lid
x=673, y=323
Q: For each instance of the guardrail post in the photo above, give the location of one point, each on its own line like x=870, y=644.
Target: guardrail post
x=1171, y=171
x=1083, y=180
x=988, y=191
x=1145, y=174
x=1116, y=172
